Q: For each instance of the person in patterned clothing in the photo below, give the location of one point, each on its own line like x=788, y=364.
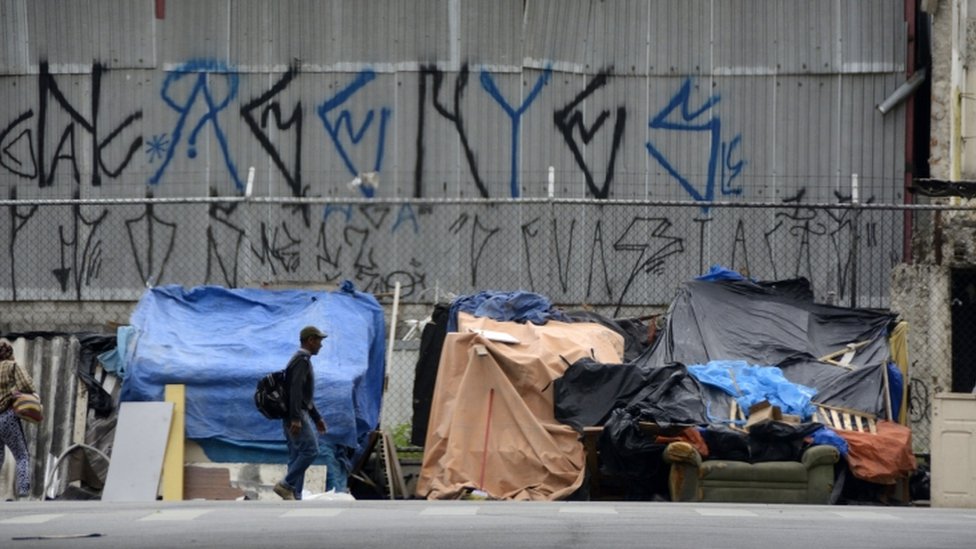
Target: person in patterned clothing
x=13, y=378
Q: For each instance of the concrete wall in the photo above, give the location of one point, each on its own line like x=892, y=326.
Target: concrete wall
x=920, y=293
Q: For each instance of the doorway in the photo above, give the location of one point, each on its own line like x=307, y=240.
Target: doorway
x=963, y=305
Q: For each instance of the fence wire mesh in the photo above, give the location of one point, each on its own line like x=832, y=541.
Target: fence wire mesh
x=619, y=258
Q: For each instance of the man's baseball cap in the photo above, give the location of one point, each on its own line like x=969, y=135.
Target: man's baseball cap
x=309, y=331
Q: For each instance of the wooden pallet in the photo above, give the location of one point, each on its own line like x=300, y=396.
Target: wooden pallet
x=845, y=419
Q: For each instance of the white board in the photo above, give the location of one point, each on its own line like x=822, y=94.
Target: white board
x=137, y=453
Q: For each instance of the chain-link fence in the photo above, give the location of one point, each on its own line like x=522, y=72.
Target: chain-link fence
x=617, y=258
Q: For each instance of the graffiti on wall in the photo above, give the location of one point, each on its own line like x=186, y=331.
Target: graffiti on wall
x=202, y=98
x=610, y=258
x=724, y=164
x=620, y=257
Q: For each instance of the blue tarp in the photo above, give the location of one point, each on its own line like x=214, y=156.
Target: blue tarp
x=515, y=306
x=750, y=384
x=219, y=342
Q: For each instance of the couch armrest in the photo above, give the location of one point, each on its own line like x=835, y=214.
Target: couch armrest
x=822, y=454
x=683, y=480
x=682, y=452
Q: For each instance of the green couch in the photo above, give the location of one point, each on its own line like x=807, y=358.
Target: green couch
x=810, y=480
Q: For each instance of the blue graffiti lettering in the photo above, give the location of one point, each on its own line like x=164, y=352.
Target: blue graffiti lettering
x=344, y=120
x=406, y=214
x=516, y=115
x=687, y=120
x=330, y=209
x=733, y=170
x=198, y=73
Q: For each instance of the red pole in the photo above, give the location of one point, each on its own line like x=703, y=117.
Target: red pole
x=910, y=160
x=484, y=454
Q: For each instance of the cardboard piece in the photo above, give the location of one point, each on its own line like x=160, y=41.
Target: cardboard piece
x=763, y=411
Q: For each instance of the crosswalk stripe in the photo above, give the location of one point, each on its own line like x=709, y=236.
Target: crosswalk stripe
x=299, y=513
x=30, y=519
x=176, y=514
x=442, y=511
x=863, y=515
x=588, y=510
x=725, y=512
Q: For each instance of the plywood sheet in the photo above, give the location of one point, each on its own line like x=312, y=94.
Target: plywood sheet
x=137, y=454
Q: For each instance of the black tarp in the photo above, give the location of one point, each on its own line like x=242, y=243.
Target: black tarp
x=763, y=324
x=425, y=371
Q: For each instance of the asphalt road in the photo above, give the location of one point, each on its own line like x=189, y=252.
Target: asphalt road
x=467, y=524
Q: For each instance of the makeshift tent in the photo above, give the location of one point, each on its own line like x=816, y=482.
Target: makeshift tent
x=491, y=425
x=219, y=342
x=527, y=306
x=776, y=325
x=840, y=355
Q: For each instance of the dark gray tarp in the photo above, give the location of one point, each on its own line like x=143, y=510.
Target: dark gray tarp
x=765, y=324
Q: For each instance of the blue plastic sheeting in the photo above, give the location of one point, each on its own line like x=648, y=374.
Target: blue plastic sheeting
x=718, y=272
x=505, y=306
x=826, y=435
x=219, y=342
x=114, y=360
x=750, y=384
x=895, y=384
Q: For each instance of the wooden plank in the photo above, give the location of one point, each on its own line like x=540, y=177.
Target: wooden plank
x=818, y=416
x=173, y=460
x=399, y=484
x=847, y=421
x=830, y=357
x=858, y=423
x=872, y=426
x=836, y=420
x=825, y=415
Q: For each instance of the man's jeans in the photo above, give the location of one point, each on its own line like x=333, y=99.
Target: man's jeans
x=303, y=448
x=336, y=476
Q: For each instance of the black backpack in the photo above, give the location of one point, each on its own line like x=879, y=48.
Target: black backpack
x=271, y=395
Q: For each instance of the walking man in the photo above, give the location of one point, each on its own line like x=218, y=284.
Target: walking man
x=303, y=445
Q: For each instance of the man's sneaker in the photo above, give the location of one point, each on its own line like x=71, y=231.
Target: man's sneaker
x=284, y=491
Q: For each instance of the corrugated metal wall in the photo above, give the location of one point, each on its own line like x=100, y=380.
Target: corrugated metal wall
x=52, y=364
x=691, y=100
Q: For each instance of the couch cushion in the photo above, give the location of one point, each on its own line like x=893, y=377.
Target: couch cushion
x=766, y=472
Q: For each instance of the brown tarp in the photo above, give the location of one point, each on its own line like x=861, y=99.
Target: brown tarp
x=492, y=424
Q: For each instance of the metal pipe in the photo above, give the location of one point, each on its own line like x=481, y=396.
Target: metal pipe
x=902, y=92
